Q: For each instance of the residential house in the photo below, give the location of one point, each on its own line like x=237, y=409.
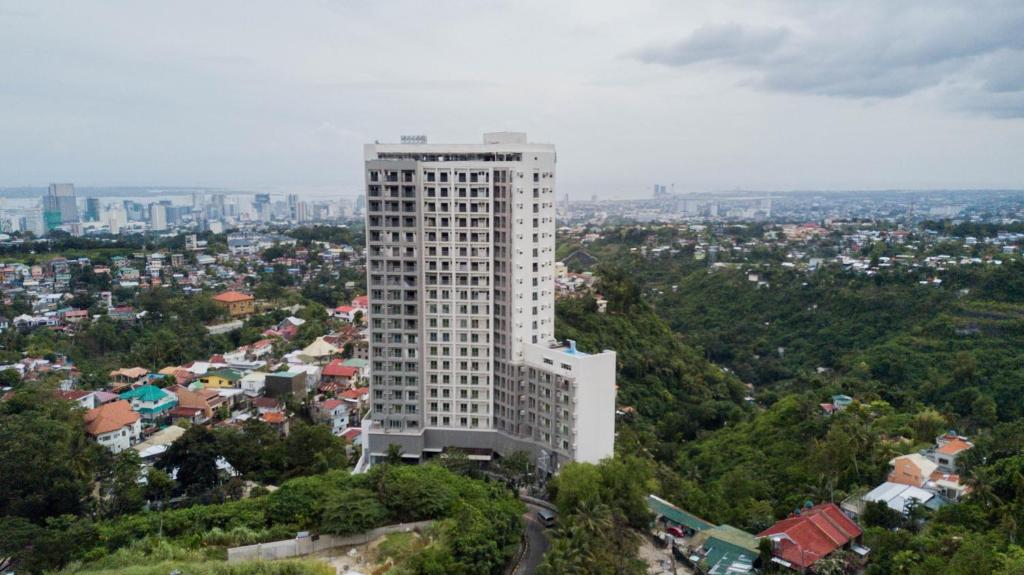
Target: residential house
x=839, y=403
x=344, y=313
x=352, y=435
x=181, y=375
x=266, y=405
x=948, y=447
x=276, y=419
x=913, y=469
x=114, y=425
x=333, y=412
x=151, y=402
x=724, y=550
x=221, y=378
x=74, y=316
x=122, y=313
x=934, y=469
x=238, y=304
x=192, y=405
x=253, y=383
x=897, y=496
x=362, y=365
x=155, y=445
x=357, y=398
x=125, y=378
x=337, y=376
x=801, y=540
x=361, y=303
x=84, y=399
x=286, y=382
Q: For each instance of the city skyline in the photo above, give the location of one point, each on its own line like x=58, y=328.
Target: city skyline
x=766, y=96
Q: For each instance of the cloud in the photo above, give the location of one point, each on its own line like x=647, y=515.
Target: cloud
x=721, y=42
x=871, y=50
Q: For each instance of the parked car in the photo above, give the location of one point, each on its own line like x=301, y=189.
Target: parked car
x=675, y=531
x=546, y=518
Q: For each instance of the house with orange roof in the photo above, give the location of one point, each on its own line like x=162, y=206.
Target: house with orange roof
x=237, y=303
x=192, y=405
x=948, y=448
x=276, y=419
x=114, y=425
x=127, y=377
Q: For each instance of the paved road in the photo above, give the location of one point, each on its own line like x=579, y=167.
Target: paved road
x=536, y=543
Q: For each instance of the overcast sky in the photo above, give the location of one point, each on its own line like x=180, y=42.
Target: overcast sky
x=765, y=95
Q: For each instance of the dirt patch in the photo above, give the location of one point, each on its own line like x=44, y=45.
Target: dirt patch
x=659, y=560
x=365, y=559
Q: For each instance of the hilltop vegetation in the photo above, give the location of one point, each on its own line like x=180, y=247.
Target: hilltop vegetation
x=476, y=530
x=918, y=358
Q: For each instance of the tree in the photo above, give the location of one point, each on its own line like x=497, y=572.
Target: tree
x=194, y=455
x=352, y=511
x=159, y=486
x=928, y=424
x=394, y=454
x=515, y=468
x=311, y=449
x=879, y=514
x=458, y=462
x=10, y=378
x=120, y=491
x=48, y=462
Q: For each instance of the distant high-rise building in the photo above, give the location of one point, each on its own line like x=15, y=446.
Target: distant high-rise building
x=92, y=209
x=660, y=191
x=302, y=213
x=117, y=218
x=59, y=206
x=135, y=211
x=157, y=217
x=360, y=204
x=460, y=272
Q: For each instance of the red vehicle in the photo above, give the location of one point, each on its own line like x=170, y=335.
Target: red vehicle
x=675, y=531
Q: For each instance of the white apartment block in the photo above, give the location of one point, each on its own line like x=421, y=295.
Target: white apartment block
x=460, y=273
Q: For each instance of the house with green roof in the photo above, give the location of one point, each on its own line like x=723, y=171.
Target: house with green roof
x=151, y=402
x=725, y=550
x=673, y=515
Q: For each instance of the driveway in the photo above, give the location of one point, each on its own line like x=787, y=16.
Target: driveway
x=536, y=543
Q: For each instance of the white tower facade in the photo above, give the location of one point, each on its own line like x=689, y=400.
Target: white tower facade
x=460, y=274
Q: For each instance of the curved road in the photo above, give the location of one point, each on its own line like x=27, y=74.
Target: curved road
x=536, y=543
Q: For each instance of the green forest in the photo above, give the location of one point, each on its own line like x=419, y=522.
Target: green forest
x=720, y=382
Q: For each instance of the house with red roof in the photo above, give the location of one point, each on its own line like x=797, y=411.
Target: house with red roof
x=811, y=534
x=356, y=397
x=332, y=412
x=336, y=376
x=84, y=399
x=352, y=434
x=361, y=303
x=344, y=313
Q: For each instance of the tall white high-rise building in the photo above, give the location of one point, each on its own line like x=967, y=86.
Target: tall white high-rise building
x=460, y=273
x=157, y=217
